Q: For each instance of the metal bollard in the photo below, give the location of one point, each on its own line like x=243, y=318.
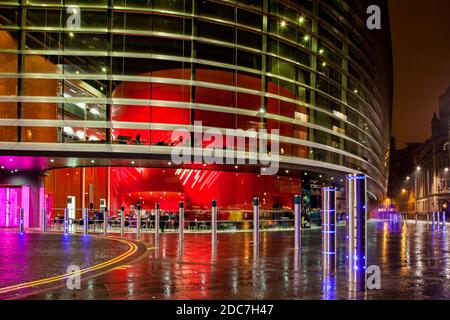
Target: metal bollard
x=21, y=220
x=85, y=221
x=138, y=224
x=122, y=222
x=433, y=219
x=105, y=222
x=428, y=218
x=356, y=238
x=66, y=221
x=214, y=222
x=298, y=222
x=416, y=218
x=256, y=221
x=181, y=221
x=329, y=228
x=156, y=221
x=438, y=218
x=44, y=220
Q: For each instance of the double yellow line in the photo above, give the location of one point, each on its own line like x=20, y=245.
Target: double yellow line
x=131, y=250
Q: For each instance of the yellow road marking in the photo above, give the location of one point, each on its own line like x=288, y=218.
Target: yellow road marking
x=132, y=249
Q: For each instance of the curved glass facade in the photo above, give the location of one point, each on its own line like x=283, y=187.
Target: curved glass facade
x=121, y=75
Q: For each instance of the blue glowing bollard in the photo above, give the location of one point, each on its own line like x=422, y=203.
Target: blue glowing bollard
x=21, y=220
x=214, y=222
x=66, y=221
x=329, y=228
x=156, y=221
x=256, y=221
x=356, y=231
x=181, y=221
x=85, y=221
x=297, y=222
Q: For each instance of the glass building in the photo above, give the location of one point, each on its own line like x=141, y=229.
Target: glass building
x=90, y=92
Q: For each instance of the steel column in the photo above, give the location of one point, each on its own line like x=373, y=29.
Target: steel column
x=122, y=221
x=66, y=220
x=138, y=224
x=21, y=220
x=214, y=222
x=105, y=222
x=44, y=220
x=85, y=221
x=181, y=221
x=156, y=221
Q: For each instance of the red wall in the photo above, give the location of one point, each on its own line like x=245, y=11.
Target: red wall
x=169, y=186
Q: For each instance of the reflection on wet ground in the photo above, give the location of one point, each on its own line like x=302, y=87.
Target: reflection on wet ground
x=414, y=262
x=34, y=256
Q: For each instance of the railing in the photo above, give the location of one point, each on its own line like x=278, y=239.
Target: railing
x=269, y=220
x=433, y=217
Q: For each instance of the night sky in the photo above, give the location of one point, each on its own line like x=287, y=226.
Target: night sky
x=421, y=51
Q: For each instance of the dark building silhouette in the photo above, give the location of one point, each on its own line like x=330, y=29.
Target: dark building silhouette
x=426, y=165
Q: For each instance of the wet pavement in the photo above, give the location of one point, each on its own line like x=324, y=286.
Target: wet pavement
x=34, y=256
x=414, y=262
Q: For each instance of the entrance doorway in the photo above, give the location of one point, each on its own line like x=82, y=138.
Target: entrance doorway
x=12, y=198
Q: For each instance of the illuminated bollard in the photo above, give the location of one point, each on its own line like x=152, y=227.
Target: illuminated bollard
x=444, y=219
x=356, y=207
x=214, y=222
x=329, y=228
x=256, y=221
x=138, y=223
x=85, y=221
x=298, y=222
x=181, y=221
x=44, y=220
x=66, y=220
x=438, y=218
x=433, y=219
x=156, y=221
x=122, y=221
x=105, y=222
x=21, y=220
